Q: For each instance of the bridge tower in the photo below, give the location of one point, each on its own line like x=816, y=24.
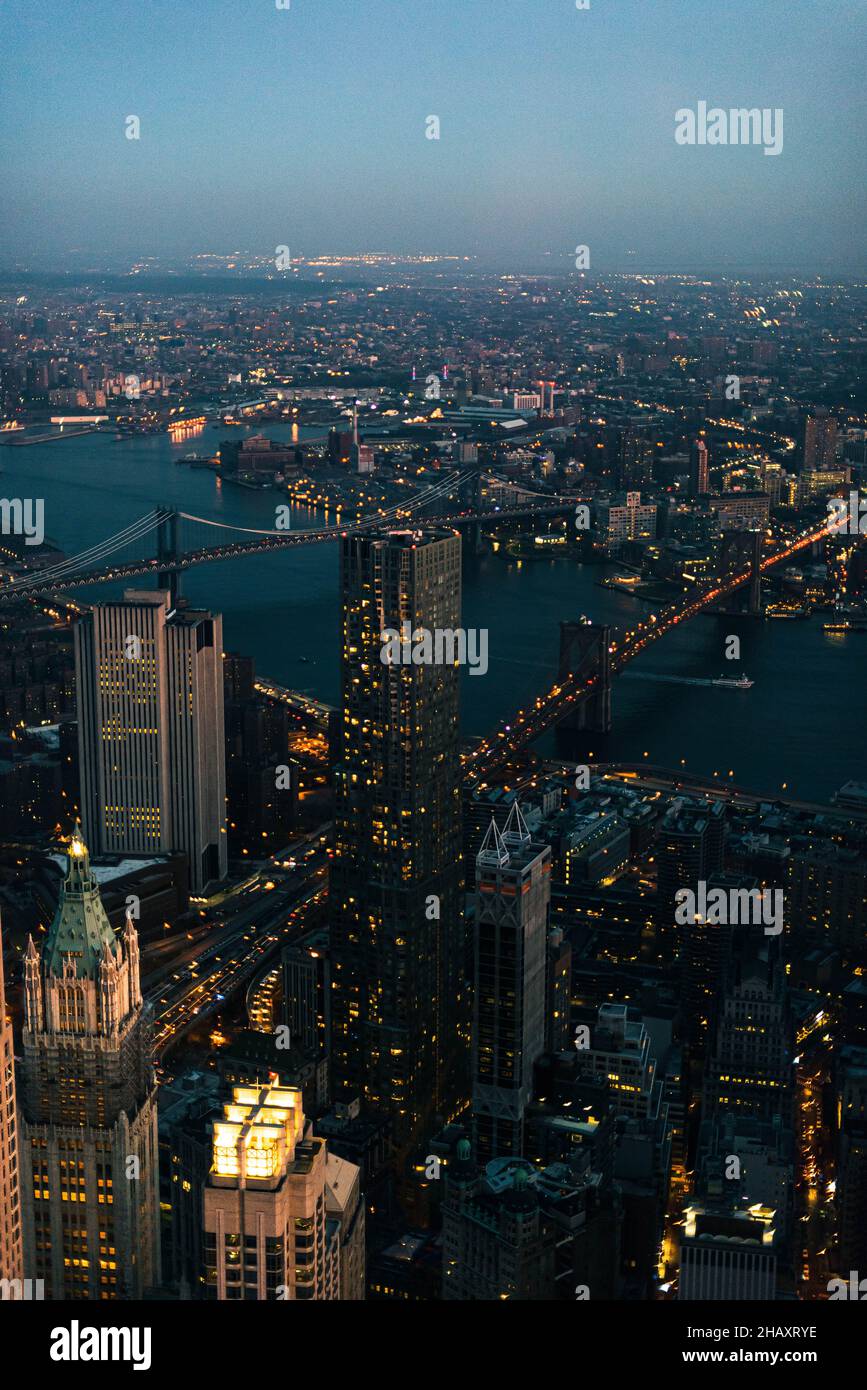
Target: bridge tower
x=584, y=651
x=168, y=576
x=738, y=550
x=472, y=538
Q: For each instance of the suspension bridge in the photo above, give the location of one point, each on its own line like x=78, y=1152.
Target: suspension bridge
x=160, y=530
x=591, y=654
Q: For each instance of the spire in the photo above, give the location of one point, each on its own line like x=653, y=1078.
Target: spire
x=515, y=832
x=78, y=878
x=493, y=852
x=80, y=929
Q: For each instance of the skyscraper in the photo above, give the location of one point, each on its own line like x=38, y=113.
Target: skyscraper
x=284, y=1219
x=699, y=469
x=89, y=1160
x=751, y=1070
x=396, y=924
x=513, y=895
x=150, y=731
x=728, y=1254
x=820, y=442
x=498, y=1240
x=691, y=848
x=11, y=1266
x=636, y=460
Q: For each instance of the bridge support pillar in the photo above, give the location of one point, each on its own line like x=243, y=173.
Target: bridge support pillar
x=738, y=550
x=755, y=594
x=584, y=651
x=168, y=576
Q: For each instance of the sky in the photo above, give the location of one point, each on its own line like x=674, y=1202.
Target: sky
x=306, y=127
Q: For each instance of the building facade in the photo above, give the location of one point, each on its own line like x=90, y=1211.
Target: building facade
x=513, y=897
x=11, y=1262
x=150, y=732
x=399, y=995
x=284, y=1219
x=88, y=1122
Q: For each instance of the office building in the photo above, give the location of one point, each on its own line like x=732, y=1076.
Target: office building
x=497, y=1242
x=595, y=850
x=765, y=1173
x=88, y=1117
x=558, y=990
x=307, y=996
x=728, y=1255
x=284, y=1219
x=398, y=953
x=11, y=1263
x=705, y=956
x=741, y=511
x=750, y=1069
x=771, y=476
x=826, y=894
x=619, y=1050
x=691, y=848
x=636, y=459
x=513, y=897
x=261, y=804
x=150, y=730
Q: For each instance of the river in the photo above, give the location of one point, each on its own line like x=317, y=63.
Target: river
x=801, y=724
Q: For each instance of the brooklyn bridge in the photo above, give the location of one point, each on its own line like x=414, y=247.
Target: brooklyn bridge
x=591, y=654
x=161, y=530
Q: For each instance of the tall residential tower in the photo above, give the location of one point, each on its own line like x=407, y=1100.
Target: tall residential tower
x=396, y=924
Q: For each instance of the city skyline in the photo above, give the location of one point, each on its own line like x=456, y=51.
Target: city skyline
x=433, y=644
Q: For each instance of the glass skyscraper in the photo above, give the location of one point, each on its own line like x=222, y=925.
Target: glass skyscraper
x=397, y=927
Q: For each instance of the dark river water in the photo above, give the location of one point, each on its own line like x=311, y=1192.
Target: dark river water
x=801, y=724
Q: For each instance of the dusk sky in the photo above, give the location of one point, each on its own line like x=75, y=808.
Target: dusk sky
x=306, y=127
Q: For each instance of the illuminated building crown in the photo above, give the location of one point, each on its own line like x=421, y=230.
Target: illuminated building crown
x=80, y=929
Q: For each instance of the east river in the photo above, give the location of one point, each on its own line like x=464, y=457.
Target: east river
x=802, y=723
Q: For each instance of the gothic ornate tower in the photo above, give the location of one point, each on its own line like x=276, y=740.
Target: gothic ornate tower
x=89, y=1158
x=10, y=1206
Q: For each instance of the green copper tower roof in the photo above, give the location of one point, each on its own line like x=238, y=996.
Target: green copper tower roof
x=80, y=928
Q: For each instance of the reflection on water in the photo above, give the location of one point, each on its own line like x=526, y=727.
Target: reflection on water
x=802, y=722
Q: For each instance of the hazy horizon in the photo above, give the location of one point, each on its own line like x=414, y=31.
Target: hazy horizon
x=307, y=127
